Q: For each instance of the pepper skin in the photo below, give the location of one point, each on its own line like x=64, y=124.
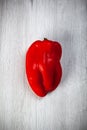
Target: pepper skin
x=43, y=66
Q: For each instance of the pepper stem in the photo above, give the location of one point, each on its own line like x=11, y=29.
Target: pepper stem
x=45, y=38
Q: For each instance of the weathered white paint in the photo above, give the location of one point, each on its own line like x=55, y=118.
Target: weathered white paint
x=21, y=23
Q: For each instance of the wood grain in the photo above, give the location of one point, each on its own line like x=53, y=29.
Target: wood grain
x=21, y=23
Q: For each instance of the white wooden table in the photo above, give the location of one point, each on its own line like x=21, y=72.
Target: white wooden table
x=21, y=23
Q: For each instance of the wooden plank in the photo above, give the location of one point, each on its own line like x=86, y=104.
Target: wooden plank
x=21, y=23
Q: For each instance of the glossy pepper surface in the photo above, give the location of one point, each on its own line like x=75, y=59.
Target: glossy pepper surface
x=43, y=66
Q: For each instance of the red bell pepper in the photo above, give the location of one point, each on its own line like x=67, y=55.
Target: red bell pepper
x=43, y=66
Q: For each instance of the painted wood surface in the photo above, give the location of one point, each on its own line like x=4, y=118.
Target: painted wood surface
x=21, y=23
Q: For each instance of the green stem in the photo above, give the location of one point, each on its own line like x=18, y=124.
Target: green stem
x=45, y=38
